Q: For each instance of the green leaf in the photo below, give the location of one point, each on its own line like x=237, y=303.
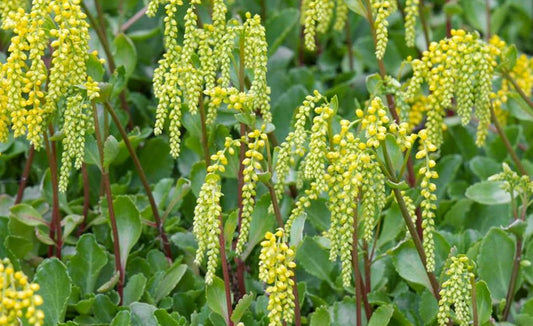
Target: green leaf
x=128, y=224
x=357, y=6
x=242, y=306
x=320, y=317
x=69, y=223
x=156, y=160
x=452, y=8
x=314, y=259
x=85, y=266
x=125, y=53
x=297, y=230
x=381, y=316
x=408, y=264
x=216, y=298
x=55, y=287
x=488, y=193
x=509, y=57
x=134, y=289
x=166, y=319
x=110, y=284
x=142, y=314
x=495, y=262
x=278, y=26
x=95, y=69
x=170, y=279
x=92, y=157
x=110, y=150
x=483, y=167
x=28, y=215
x=483, y=301
x=262, y=221
x=122, y=318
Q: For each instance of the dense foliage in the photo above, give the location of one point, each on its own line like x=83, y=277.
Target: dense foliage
x=254, y=162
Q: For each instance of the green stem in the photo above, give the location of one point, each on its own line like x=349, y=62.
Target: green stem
x=474, y=302
x=144, y=180
x=99, y=28
x=520, y=92
x=205, y=142
x=507, y=143
x=424, y=23
x=109, y=196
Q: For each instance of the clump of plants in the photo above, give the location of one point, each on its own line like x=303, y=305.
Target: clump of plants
x=265, y=163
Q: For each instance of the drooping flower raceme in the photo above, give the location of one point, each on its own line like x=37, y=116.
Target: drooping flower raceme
x=316, y=17
x=276, y=268
x=411, y=13
x=381, y=10
x=201, y=66
x=18, y=299
x=429, y=197
x=462, y=67
x=35, y=93
x=207, y=212
x=456, y=291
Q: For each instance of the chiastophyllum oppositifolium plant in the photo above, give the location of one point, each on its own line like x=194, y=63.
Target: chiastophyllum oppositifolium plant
x=316, y=162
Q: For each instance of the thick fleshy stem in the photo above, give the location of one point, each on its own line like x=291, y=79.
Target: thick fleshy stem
x=109, y=196
x=516, y=262
x=144, y=180
x=225, y=272
x=424, y=23
x=240, y=181
x=358, y=280
x=25, y=175
x=475, y=315
x=86, y=198
x=55, y=225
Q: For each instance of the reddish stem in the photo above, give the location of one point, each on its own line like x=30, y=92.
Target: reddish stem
x=25, y=175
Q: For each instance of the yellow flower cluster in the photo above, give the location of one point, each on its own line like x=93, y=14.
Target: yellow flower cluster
x=316, y=18
x=276, y=268
x=8, y=11
x=522, y=73
x=231, y=96
x=460, y=66
x=189, y=70
x=411, y=12
x=206, y=223
x=314, y=163
x=78, y=121
x=344, y=178
x=18, y=298
x=429, y=198
x=373, y=122
x=252, y=164
x=256, y=58
x=294, y=143
x=456, y=291
x=514, y=183
x=381, y=10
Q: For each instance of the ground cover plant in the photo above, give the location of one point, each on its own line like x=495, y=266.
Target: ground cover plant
x=253, y=162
